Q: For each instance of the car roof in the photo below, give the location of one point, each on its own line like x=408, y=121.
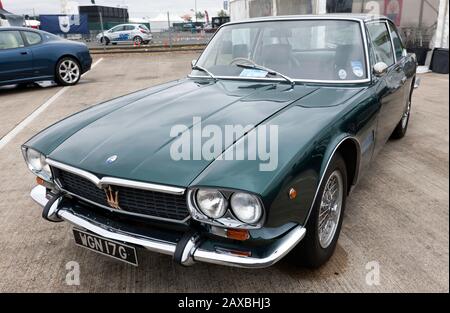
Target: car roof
x=18, y=28
x=128, y=24
x=342, y=16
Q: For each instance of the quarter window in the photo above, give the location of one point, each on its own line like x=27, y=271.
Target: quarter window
x=10, y=40
x=381, y=43
x=33, y=38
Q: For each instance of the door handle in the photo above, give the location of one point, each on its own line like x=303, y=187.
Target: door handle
x=24, y=53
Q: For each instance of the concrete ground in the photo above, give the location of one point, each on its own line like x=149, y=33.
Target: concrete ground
x=398, y=216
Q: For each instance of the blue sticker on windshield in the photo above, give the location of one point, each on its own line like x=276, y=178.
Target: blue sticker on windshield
x=357, y=68
x=248, y=72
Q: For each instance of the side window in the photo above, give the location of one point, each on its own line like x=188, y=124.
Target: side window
x=32, y=38
x=130, y=27
x=117, y=29
x=10, y=40
x=381, y=43
x=396, y=39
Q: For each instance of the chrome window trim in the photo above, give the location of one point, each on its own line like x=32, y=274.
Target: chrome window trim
x=391, y=29
x=385, y=22
x=361, y=22
x=105, y=181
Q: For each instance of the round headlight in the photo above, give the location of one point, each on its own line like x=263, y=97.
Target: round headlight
x=34, y=160
x=37, y=164
x=246, y=207
x=211, y=202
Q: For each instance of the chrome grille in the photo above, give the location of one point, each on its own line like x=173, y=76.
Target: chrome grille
x=132, y=200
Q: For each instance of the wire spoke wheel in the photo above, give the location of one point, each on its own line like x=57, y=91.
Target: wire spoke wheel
x=330, y=209
x=405, y=117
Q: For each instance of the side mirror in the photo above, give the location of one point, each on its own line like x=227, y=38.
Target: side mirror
x=380, y=69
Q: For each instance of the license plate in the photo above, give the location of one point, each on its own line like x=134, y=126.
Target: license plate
x=114, y=249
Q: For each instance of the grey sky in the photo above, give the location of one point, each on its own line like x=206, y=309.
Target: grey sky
x=137, y=8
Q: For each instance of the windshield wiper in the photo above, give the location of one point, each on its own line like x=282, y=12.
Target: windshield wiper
x=268, y=70
x=201, y=68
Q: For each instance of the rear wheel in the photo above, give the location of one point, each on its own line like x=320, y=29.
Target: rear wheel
x=68, y=72
x=325, y=222
x=402, y=127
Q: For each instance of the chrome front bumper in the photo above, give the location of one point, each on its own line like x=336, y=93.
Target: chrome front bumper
x=193, y=251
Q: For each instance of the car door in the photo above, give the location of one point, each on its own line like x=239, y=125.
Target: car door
x=390, y=91
x=406, y=66
x=41, y=64
x=16, y=61
x=127, y=33
x=115, y=33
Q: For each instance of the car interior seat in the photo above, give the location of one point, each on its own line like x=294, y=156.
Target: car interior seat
x=277, y=57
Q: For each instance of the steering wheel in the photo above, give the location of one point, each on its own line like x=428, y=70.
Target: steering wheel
x=235, y=60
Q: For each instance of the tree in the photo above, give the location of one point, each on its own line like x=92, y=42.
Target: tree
x=186, y=18
x=222, y=13
x=199, y=15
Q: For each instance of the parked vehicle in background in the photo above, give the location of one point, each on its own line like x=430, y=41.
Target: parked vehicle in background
x=29, y=55
x=135, y=33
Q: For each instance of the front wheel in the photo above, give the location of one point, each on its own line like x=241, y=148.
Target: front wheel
x=68, y=72
x=105, y=41
x=325, y=222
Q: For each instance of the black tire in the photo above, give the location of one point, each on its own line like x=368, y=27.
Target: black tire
x=310, y=252
x=138, y=40
x=61, y=78
x=105, y=41
x=402, y=126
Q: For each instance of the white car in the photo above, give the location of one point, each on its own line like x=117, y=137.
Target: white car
x=135, y=33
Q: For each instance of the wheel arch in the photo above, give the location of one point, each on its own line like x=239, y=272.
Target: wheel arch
x=67, y=55
x=350, y=149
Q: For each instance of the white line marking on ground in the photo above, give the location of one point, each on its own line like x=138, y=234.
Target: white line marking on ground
x=13, y=133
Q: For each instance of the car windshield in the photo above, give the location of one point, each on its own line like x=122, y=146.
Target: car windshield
x=325, y=50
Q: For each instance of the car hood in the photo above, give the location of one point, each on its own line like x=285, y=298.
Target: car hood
x=140, y=131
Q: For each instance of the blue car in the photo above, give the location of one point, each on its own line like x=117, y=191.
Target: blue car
x=28, y=55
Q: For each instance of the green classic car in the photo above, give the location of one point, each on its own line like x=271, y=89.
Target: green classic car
x=249, y=157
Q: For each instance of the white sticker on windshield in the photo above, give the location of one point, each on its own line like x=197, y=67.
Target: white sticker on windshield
x=342, y=74
x=357, y=68
x=248, y=72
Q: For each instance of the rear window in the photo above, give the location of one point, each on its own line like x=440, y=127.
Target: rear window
x=32, y=38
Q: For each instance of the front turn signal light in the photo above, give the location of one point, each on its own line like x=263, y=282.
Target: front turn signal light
x=238, y=234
